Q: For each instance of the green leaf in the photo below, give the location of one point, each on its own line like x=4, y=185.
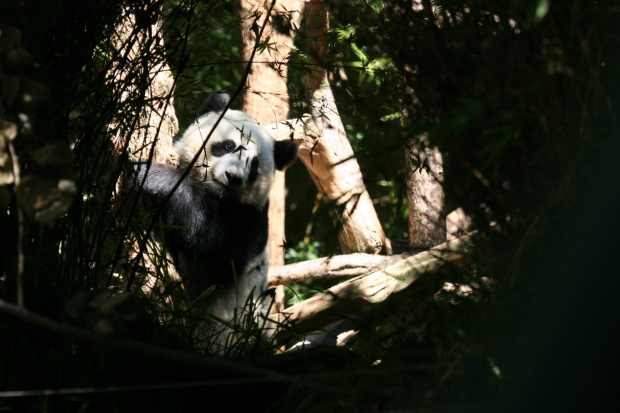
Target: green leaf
x=541, y=10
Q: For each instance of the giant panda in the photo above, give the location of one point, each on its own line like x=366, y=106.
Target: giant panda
x=215, y=222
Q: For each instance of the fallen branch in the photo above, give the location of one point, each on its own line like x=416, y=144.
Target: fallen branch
x=350, y=265
x=354, y=265
x=371, y=291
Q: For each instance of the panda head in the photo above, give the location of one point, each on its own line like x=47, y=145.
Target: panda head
x=239, y=159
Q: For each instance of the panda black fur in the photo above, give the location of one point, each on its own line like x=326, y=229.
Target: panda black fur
x=216, y=220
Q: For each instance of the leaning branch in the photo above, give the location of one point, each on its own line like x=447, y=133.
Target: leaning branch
x=354, y=265
x=332, y=165
x=349, y=265
x=374, y=290
x=334, y=170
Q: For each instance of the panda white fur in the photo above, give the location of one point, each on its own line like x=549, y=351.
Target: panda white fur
x=216, y=220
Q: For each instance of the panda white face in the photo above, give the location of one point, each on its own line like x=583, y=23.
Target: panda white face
x=237, y=161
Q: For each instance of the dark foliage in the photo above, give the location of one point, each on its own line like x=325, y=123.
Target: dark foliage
x=520, y=96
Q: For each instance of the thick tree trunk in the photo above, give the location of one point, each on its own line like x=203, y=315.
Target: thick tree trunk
x=266, y=98
x=145, y=85
x=361, y=229
x=142, y=80
x=424, y=178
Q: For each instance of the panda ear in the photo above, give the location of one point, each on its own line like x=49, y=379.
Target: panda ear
x=214, y=103
x=284, y=154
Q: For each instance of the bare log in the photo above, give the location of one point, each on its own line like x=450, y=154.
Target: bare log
x=371, y=291
x=350, y=265
x=354, y=265
x=332, y=163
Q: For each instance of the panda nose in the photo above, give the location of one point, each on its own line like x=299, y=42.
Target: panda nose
x=233, y=179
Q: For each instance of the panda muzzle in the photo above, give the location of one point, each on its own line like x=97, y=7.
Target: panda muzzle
x=233, y=179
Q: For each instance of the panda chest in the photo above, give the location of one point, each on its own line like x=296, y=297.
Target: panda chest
x=233, y=235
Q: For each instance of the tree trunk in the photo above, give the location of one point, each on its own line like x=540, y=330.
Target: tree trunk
x=145, y=85
x=146, y=92
x=424, y=178
x=266, y=99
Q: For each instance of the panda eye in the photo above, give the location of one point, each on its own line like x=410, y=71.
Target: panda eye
x=222, y=148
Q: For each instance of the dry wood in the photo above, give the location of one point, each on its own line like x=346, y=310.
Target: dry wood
x=331, y=161
x=354, y=265
x=266, y=96
x=371, y=291
x=350, y=265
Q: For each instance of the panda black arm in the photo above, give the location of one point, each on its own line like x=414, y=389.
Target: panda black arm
x=188, y=207
x=159, y=182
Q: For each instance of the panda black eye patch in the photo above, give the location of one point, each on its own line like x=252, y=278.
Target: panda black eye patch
x=253, y=170
x=222, y=148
